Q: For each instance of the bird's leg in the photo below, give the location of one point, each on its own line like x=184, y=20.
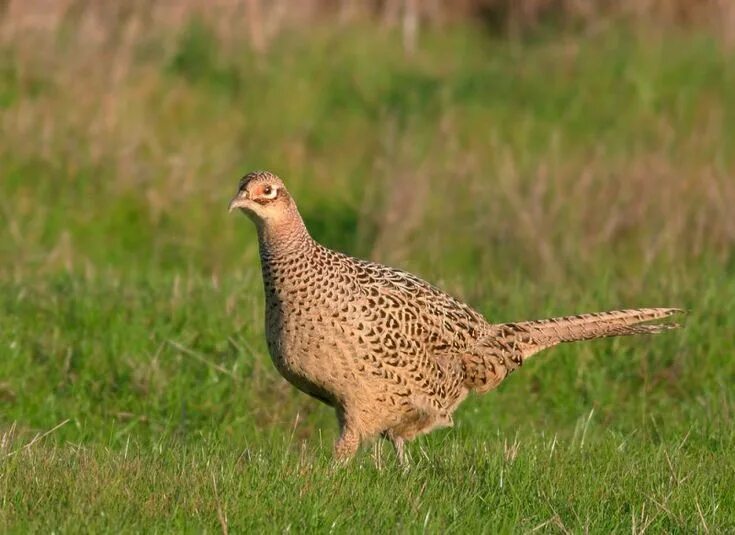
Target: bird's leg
x=349, y=439
x=346, y=445
x=398, y=443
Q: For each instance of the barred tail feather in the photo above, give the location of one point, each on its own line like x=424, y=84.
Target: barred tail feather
x=508, y=345
x=549, y=332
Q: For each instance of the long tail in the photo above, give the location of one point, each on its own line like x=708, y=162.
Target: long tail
x=549, y=332
x=508, y=345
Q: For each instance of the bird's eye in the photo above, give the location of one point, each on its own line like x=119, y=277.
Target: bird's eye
x=269, y=192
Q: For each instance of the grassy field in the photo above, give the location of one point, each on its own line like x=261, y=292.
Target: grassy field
x=568, y=171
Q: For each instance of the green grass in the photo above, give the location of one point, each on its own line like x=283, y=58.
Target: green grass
x=565, y=173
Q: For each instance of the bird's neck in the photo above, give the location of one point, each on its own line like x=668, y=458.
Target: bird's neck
x=284, y=239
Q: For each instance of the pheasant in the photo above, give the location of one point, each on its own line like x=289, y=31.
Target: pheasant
x=394, y=355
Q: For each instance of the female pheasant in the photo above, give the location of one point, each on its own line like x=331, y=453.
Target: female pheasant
x=391, y=353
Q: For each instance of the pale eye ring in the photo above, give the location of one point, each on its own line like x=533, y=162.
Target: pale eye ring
x=270, y=192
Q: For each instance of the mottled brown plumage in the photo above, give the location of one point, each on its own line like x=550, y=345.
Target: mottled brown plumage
x=391, y=353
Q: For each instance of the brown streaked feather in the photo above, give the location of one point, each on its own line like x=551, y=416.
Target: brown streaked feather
x=549, y=332
x=508, y=345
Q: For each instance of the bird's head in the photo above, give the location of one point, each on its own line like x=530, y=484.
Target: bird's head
x=262, y=196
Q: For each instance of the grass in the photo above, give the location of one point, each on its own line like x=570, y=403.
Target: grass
x=569, y=171
x=575, y=483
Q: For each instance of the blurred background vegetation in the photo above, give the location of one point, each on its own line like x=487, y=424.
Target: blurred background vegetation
x=534, y=158
x=520, y=138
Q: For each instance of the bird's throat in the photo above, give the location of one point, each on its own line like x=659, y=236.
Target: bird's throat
x=283, y=238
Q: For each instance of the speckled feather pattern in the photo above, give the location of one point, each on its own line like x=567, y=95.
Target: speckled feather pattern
x=391, y=353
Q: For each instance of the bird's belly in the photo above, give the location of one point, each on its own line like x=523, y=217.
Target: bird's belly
x=317, y=358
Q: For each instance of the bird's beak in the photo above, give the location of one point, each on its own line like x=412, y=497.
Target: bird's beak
x=238, y=201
